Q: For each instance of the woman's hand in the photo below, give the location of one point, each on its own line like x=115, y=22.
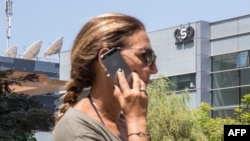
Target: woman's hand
x=134, y=104
x=133, y=101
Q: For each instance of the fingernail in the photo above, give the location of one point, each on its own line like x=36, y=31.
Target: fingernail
x=108, y=75
x=120, y=70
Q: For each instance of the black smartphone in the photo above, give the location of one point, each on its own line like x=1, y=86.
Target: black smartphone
x=113, y=60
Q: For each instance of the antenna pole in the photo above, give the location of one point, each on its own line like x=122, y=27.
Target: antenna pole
x=8, y=10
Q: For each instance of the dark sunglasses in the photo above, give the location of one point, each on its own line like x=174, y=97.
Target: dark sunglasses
x=148, y=54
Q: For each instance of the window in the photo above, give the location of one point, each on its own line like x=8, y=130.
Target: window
x=224, y=113
x=244, y=91
x=225, y=97
x=183, y=82
x=243, y=59
x=230, y=82
x=230, y=61
x=245, y=76
x=224, y=62
x=225, y=79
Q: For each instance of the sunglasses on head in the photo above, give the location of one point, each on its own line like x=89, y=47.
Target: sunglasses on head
x=149, y=54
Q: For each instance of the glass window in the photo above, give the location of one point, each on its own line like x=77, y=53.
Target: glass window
x=244, y=91
x=224, y=62
x=225, y=97
x=243, y=59
x=225, y=79
x=174, y=80
x=245, y=77
x=224, y=113
x=183, y=82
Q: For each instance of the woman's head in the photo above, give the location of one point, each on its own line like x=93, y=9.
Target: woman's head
x=107, y=30
x=103, y=31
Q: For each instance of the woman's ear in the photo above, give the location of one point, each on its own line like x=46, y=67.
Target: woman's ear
x=102, y=51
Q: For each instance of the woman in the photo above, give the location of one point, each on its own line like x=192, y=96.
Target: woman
x=109, y=112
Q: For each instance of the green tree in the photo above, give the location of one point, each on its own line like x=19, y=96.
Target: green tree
x=243, y=112
x=211, y=127
x=169, y=116
x=20, y=114
x=171, y=119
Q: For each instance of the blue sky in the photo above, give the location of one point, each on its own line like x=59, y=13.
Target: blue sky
x=46, y=20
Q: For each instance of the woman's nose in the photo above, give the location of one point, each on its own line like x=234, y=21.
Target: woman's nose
x=153, y=69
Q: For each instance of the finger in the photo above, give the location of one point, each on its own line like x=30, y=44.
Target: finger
x=136, y=81
x=143, y=87
x=119, y=95
x=117, y=92
x=122, y=81
x=143, y=84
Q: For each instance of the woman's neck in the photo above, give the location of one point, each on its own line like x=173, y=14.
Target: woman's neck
x=106, y=103
x=102, y=113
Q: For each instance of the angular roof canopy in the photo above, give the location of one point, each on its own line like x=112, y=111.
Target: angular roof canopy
x=43, y=86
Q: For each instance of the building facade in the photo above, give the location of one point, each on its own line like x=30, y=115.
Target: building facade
x=48, y=75
x=209, y=59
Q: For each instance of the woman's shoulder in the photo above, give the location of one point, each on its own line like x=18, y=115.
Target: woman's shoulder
x=73, y=124
x=74, y=117
x=76, y=124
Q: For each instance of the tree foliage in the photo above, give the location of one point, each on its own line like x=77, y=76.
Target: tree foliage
x=212, y=128
x=20, y=114
x=243, y=112
x=169, y=117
